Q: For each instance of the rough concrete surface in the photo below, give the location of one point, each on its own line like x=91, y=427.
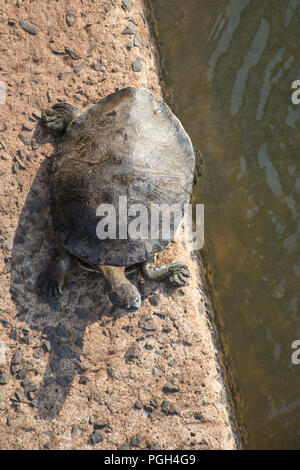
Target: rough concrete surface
x=73, y=374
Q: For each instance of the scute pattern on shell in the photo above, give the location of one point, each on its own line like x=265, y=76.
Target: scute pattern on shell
x=128, y=144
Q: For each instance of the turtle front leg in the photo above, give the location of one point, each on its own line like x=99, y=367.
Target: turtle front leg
x=122, y=293
x=51, y=281
x=177, y=273
x=60, y=116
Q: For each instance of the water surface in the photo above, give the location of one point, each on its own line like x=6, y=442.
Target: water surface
x=231, y=65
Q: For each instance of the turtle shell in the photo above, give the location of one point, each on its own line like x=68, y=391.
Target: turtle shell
x=127, y=147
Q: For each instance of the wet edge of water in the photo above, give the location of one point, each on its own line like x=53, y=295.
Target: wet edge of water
x=222, y=351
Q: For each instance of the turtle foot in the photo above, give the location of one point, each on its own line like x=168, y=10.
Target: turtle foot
x=50, y=282
x=50, y=288
x=179, y=274
x=59, y=116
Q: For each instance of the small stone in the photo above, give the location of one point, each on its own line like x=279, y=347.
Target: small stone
x=149, y=326
x=28, y=339
x=75, y=431
x=135, y=440
x=137, y=41
x=153, y=300
x=154, y=402
x=34, y=403
x=61, y=331
x=173, y=409
x=79, y=67
x=166, y=330
x=64, y=381
x=62, y=351
x=72, y=53
x=8, y=245
x=170, y=388
x=70, y=18
x=25, y=382
x=28, y=27
x=20, y=395
x=17, y=358
x=129, y=45
x=13, y=334
x=96, y=67
x=47, y=346
x=24, y=138
x=137, y=65
x=138, y=405
x=20, y=163
x=131, y=353
x=23, y=372
x=97, y=437
x=127, y=5
x=125, y=446
x=198, y=416
x=39, y=353
x=13, y=369
x=11, y=22
x=83, y=366
x=79, y=341
x=30, y=396
x=91, y=47
x=7, y=268
x=83, y=380
x=4, y=379
x=165, y=407
x=130, y=29
x=27, y=128
x=37, y=115
x=30, y=388
x=100, y=425
x=49, y=381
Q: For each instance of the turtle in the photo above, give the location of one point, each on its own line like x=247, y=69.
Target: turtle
x=128, y=146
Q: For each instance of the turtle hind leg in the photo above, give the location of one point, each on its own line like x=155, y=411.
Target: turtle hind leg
x=60, y=116
x=51, y=281
x=177, y=273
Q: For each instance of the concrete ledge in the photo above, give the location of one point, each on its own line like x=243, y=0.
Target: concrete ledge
x=72, y=376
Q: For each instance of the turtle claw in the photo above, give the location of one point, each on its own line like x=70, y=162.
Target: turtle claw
x=179, y=274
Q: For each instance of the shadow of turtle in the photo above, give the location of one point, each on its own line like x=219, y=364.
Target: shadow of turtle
x=60, y=324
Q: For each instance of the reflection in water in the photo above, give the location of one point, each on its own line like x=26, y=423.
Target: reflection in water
x=231, y=65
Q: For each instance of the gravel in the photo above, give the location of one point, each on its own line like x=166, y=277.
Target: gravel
x=97, y=437
x=28, y=27
x=4, y=379
x=170, y=388
x=137, y=65
x=137, y=41
x=17, y=358
x=64, y=381
x=70, y=18
x=8, y=245
x=127, y=5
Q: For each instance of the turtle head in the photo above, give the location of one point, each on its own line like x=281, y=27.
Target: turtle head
x=126, y=296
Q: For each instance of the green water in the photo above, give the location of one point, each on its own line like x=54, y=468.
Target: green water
x=230, y=66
